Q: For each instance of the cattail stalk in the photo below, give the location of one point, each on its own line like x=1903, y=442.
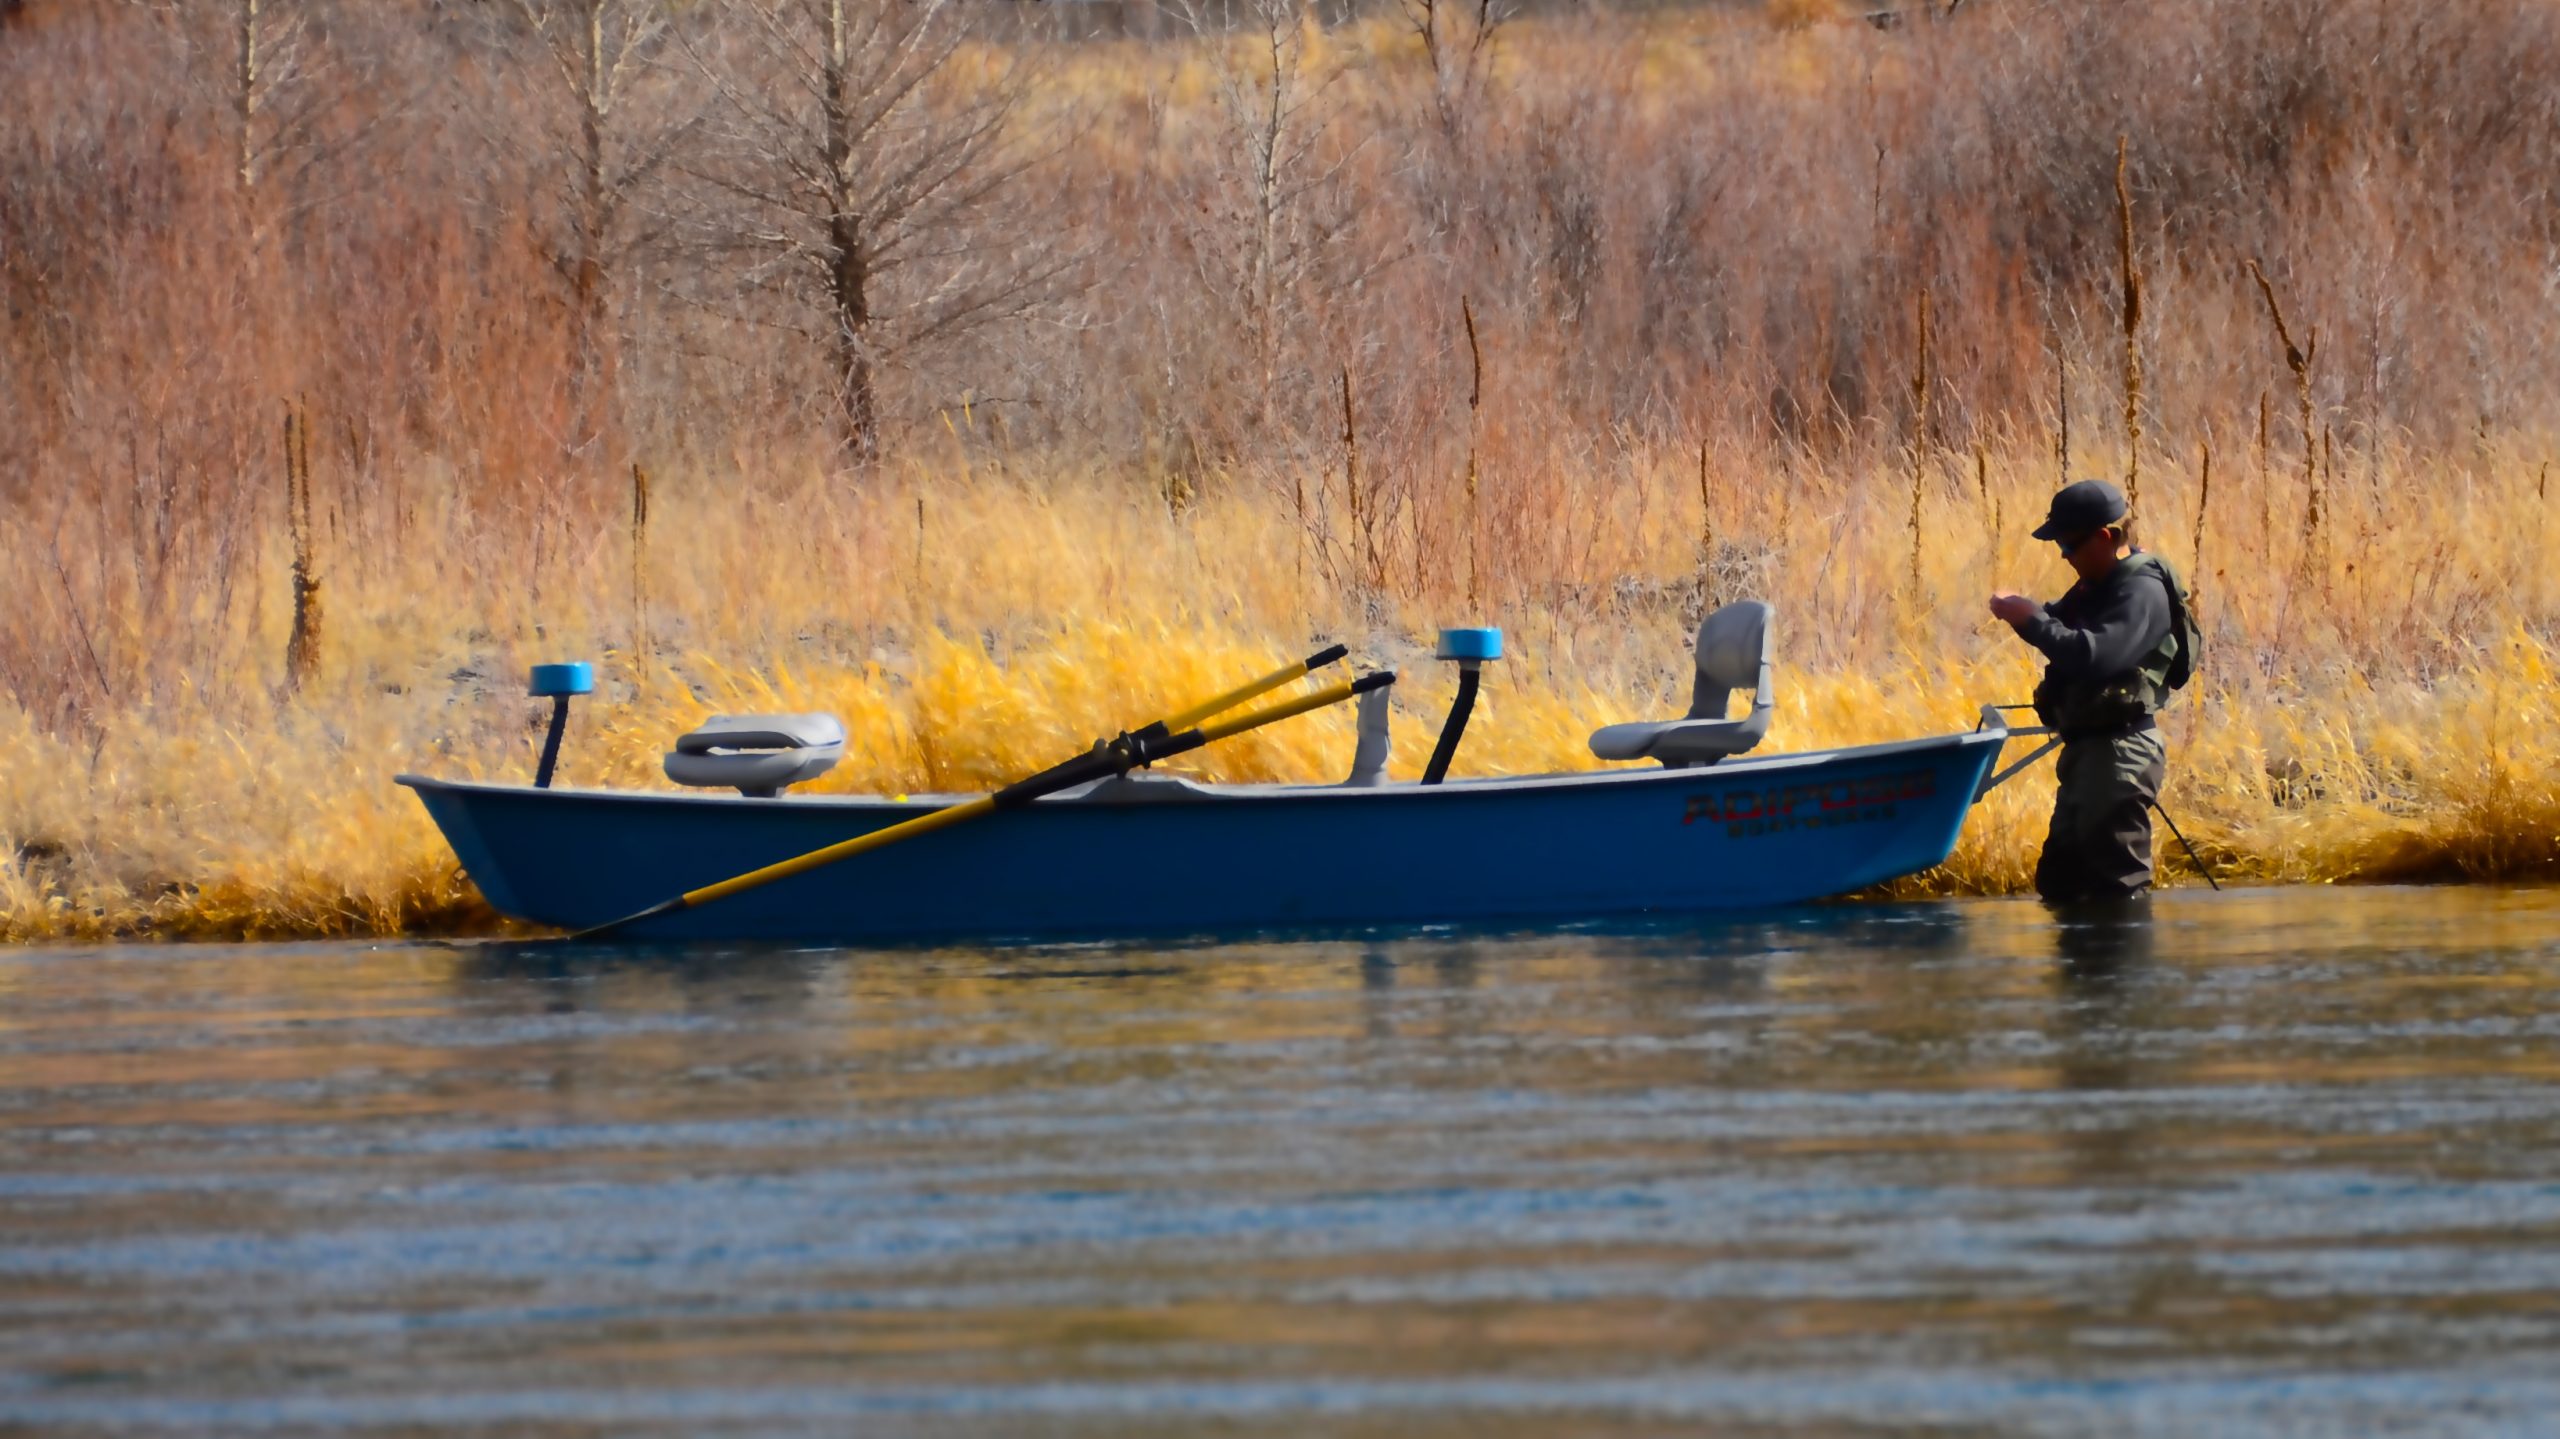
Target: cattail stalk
x=2061, y=413
x=2266, y=500
x=302, y=646
x=639, y=570
x=1706, y=513
x=1298, y=501
x=1916, y=486
x=1475, y=399
x=2132, y=326
x=1919, y=442
x=1360, y=518
x=2204, y=501
x=1990, y=501
x=2542, y=514
x=2298, y=358
x=2329, y=470
x=245, y=97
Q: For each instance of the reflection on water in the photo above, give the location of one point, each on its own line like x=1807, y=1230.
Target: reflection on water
x=2273, y=1161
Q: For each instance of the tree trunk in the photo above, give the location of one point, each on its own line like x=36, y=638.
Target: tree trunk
x=592, y=376
x=245, y=98
x=850, y=283
x=849, y=267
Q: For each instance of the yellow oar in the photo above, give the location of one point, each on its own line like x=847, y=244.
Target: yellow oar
x=1262, y=686
x=1112, y=758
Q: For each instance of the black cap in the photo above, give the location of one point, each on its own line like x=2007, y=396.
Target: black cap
x=2082, y=508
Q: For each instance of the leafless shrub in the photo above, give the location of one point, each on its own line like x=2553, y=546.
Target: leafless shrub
x=1653, y=247
x=607, y=118
x=858, y=147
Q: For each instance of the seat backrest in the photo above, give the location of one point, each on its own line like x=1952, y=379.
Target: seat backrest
x=1734, y=653
x=1369, y=756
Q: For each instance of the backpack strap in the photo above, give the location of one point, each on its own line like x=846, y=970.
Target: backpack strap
x=2182, y=625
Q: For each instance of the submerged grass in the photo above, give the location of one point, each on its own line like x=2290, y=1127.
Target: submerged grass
x=2330, y=739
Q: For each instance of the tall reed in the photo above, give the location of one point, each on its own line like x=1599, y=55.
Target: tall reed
x=302, y=647
x=2131, y=274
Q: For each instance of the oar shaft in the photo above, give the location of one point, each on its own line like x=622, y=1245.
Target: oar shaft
x=1150, y=745
x=1255, y=719
x=843, y=849
x=1049, y=781
x=1176, y=724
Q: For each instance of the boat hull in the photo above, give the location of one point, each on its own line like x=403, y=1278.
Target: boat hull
x=1166, y=856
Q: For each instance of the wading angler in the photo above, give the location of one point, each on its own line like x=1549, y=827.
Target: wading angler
x=2116, y=645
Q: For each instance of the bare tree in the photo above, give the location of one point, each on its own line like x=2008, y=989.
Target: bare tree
x=258, y=49
x=1279, y=210
x=279, y=86
x=611, y=135
x=856, y=163
x=1458, y=38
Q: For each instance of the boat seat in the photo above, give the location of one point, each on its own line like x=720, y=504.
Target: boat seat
x=757, y=755
x=1734, y=649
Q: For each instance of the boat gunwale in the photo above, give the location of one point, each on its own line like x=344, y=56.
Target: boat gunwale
x=1178, y=788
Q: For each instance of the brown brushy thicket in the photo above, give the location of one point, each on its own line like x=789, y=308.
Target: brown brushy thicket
x=1577, y=330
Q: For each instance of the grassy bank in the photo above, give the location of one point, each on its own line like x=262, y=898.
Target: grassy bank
x=344, y=380
x=1025, y=615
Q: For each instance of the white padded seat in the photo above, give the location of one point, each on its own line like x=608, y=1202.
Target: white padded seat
x=757, y=755
x=1734, y=652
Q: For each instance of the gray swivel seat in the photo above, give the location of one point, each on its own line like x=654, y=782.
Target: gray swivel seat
x=1733, y=653
x=759, y=756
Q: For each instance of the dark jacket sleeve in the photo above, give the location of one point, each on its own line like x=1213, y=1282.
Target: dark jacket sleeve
x=2125, y=623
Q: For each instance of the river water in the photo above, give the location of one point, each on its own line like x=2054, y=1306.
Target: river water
x=2273, y=1162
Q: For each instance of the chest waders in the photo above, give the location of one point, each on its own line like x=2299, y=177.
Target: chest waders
x=2113, y=764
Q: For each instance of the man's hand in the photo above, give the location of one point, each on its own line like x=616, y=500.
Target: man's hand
x=2013, y=607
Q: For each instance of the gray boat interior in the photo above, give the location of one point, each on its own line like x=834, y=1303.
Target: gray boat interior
x=1149, y=788
x=760, y=756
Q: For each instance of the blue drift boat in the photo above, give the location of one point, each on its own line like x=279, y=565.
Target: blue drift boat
x=1131, y=854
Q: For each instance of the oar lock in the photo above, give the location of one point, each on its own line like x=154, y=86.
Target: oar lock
x=1141, y=748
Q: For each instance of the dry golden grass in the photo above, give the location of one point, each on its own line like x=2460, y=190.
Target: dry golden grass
x=1629, y=321
x=1044, y=614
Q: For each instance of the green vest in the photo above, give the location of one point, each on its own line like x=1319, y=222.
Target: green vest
x=2123, y=701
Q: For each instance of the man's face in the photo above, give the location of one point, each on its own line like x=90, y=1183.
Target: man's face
x=2091, y=554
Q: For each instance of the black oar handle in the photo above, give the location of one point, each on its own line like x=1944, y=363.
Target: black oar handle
x=1101, y=762
x=1130, y=751
x=1326, y=656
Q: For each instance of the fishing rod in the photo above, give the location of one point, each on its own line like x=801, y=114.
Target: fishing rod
x=2054, y=743
x=2192, y=857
